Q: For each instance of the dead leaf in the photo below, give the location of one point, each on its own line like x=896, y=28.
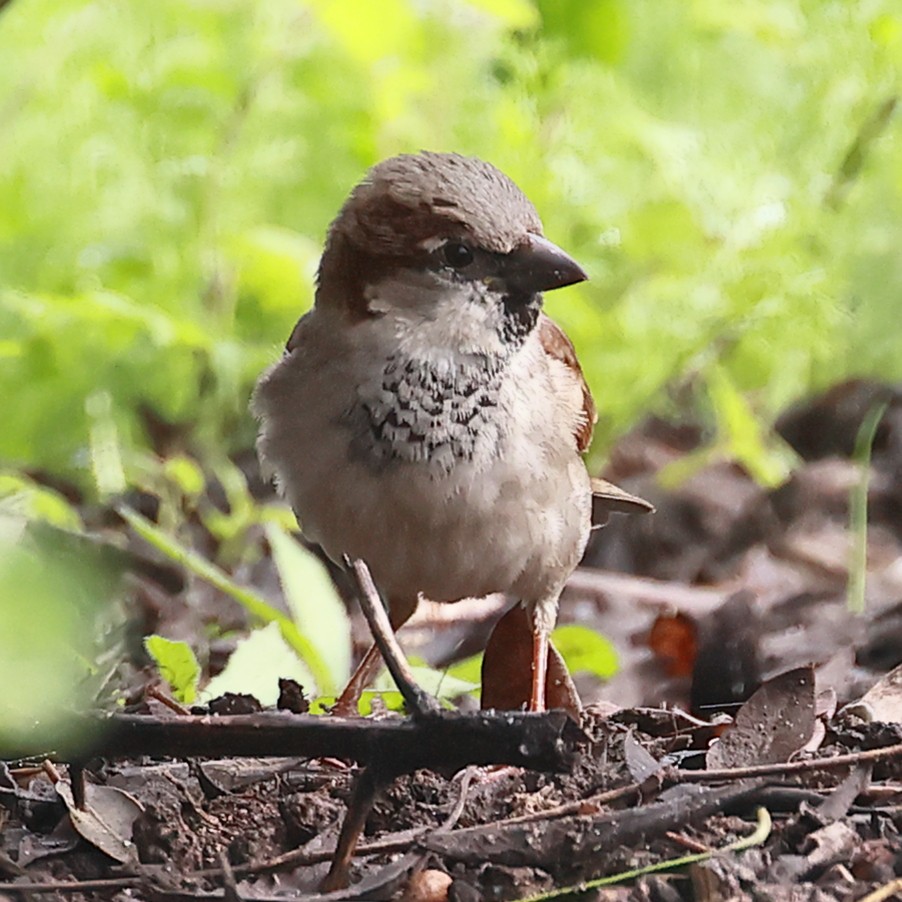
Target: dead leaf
x=106, y=821
x=882, y=703
x=427, y=886
x=834, y=843
x=639, y=761
x=772, y=725
x=840, y=800
x=825, y=705
x=674, y=640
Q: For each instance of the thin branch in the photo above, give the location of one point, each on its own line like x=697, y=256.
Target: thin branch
x=419, y=703
x=694, y=599
x=790, y=767
x=445, y=740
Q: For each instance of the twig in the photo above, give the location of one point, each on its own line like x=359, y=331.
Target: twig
x=760, y=834
x=71, y=886
x=446, y=740
x=790, y=767
x=578, y=839
x=419, y=703
x=580, y=806
x=887, y=891
x=157, y=694
x=695, y=599
x=370, y=781
x=396, y=842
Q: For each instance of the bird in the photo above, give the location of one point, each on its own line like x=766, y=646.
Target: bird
x=426, y=415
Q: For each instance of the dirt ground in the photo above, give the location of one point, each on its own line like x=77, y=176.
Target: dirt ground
x=751, y=737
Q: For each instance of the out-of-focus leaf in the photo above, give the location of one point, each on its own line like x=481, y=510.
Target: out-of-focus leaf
x=353, y=24
x=177, y=665
x=256, y=665
x=469, y=670
x=106, y=456
x=744, y=434
x=436, y=682
x=597, y=30
x=585, y=651
x=22, y=499
x=52, y=589
x=165, y=256
x=275, y=273
x=255, y=605
x=185, y=473
x=316, y=608
x=519, y=14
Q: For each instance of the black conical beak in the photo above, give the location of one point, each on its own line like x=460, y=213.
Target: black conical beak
x=539, y=265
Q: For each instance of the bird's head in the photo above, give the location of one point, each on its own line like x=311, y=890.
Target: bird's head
x=445, y=243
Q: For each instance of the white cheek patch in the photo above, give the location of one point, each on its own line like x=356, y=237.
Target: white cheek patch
x=432, y=244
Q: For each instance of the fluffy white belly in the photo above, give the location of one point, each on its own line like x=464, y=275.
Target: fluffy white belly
x=470, y=532
x=451, y=490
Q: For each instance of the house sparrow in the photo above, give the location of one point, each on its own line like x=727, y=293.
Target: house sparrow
x=426, y=416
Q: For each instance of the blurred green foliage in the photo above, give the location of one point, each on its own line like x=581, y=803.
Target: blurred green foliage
x=54, y=586
x=728, y=173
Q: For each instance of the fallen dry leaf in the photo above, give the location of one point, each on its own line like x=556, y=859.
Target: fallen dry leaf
x=882, y=703
x=774, y=724
x=106, y=821
x=674, y=640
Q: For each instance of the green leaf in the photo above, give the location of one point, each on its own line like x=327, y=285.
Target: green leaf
x=21, y=497
x=255, y=605
x=186, y=473
x=586, y=651
x=743, y=433
x=177, y=665
x=469, y=670
x=54, y=588
x=439, y=683
x=316, y=608
x=446, y=685
x=256, y=665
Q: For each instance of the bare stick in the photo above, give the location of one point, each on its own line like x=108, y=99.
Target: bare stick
x=446, y=741
x=419, y=703
x=369, y=783
x=695, y=599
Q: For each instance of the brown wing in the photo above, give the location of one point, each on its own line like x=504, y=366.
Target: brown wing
x=607, y=498
x=556, y=344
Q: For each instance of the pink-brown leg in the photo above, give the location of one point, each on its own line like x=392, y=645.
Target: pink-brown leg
x=347, y=703
x=539, y=669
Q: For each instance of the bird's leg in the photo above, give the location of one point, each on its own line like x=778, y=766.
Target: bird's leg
x=347, y=702
x=543, y=616
x=399, y=612
x=539, y=668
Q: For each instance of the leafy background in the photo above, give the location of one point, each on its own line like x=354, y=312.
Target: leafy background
x=728, y=173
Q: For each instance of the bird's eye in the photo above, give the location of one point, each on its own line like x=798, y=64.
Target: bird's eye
x=457, y=254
